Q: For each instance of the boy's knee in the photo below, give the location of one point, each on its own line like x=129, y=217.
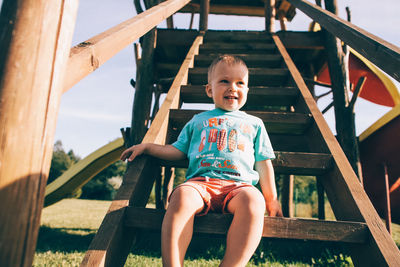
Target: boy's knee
x=185, y=197
x=253, y=202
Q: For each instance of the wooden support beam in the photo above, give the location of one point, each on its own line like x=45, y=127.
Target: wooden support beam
x=388, y=214
x=353, y=203
x=357, y=92
x=34, y=48
x=204, y=11
x=282, y=20
x=113, y=240
x=168, y=185
x=321, y=199
x=287, y=195
x=270, y=12
x=87, y=56
x=383, y=54
x=274, y=227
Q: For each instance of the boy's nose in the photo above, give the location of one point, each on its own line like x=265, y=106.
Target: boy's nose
x=233, y=87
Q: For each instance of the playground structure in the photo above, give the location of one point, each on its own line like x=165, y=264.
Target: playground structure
x=301, y=137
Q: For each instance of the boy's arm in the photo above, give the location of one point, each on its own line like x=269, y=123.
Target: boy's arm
x=167, y=152
x=268, y=188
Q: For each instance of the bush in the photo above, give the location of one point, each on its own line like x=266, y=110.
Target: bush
x=105, y=185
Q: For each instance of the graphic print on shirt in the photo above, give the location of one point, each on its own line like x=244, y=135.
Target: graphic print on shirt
x=229, y=137
x=202, y=140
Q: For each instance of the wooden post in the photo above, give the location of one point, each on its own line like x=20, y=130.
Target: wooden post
x=321, y=199
x=282, y=20
x=204, y=11
x=287, y=195
x=345, y=124
x=144, y=84
x=169, y=177
x=34, y=49
x=388, y=213
x=269, y=15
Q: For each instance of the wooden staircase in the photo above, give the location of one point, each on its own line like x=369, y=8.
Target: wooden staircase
x=301, y=139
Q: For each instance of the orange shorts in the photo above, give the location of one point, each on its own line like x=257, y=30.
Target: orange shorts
x=216, y=193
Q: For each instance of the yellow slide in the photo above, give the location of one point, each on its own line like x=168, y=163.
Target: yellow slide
x=81, y=172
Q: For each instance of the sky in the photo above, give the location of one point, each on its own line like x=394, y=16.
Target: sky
x=93, y=111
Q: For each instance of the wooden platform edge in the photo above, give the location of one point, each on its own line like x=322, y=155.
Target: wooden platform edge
x=274, y=227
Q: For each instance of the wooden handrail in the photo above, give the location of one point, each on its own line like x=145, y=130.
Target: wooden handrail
x=383, y=54
x=158, y=129
x=87, y=56
x=112, y=242
x=353, y=204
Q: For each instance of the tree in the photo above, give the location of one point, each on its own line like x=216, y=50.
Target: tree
x=61, y=161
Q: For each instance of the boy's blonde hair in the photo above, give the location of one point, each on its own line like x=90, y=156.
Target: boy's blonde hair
x=228, y=59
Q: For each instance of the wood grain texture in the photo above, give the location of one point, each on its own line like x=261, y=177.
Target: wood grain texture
x=112, y=243
x=346, y=195
x=87, y=56
x=34, y=58
x=274, y=227
x=383, y=54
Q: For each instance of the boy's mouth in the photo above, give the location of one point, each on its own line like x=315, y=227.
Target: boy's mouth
x=230, y=97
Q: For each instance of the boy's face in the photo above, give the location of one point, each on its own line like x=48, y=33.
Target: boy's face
x=228, y=86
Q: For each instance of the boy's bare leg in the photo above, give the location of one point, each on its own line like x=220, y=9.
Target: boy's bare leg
x=177, y=227
x=244, y=235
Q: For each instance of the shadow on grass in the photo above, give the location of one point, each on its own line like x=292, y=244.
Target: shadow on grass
x=207, y=247
x=64, y=239
x=148, y=243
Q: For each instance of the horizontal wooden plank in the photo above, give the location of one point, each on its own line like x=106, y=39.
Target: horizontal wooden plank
x=274, y=227
x=258, y=95
x=275, y=122
x=237, y=36
x=91, y=54
x=251, y=60
x=239, y=46
x=285, y=163
x=383, y=54
x=257, y=76
x=223, y=48
x=227, y=9
x=302, y=40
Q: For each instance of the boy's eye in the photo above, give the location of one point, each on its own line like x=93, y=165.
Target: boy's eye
x=224, y=81
x=241, y=83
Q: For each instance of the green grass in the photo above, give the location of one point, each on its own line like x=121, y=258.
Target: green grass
x=68, y=227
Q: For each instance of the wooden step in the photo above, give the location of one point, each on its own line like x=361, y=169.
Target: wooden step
x=274, y=227
x=251, y=60
x=257, y=76
x=229, y=48
x=257, y=96
x=236, y=36
x=297, y=163
x=275, y=122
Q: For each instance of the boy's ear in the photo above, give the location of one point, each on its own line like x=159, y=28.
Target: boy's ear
x=209, y=90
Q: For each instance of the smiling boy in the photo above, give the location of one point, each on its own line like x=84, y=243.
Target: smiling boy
x=229, y=152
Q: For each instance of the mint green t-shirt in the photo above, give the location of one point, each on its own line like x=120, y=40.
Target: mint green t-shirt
x=225, y=145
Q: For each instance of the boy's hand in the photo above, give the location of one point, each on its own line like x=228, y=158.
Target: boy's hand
x=274, y=208
x=132, y=152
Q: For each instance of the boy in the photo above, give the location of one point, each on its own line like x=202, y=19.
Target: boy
x=224, y=146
